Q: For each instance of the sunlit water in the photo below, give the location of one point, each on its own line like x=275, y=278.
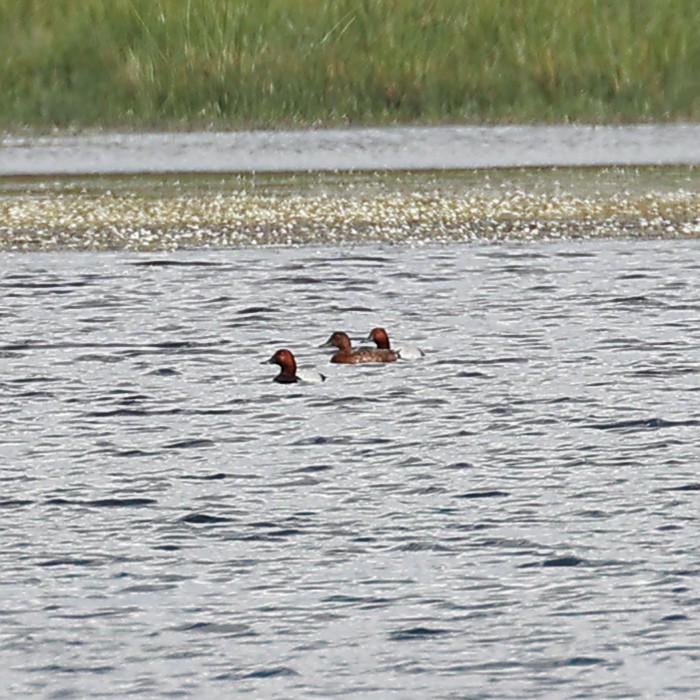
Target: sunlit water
x=515, y=515
x=387, y=148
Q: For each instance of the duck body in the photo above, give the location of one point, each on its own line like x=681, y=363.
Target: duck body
x=365, y=356
x=346, y=355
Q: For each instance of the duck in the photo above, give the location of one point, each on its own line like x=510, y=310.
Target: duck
x=406, y=352
x=289, y=374
x=347, y=355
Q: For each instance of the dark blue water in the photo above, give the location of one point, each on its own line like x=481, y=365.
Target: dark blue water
x=515, y=515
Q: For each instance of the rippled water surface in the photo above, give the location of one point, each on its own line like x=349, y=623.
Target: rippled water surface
x=515, y=515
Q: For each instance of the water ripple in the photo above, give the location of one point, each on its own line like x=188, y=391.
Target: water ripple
x=513, y=515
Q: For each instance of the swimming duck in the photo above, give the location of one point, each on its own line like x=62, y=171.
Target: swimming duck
x=347, y=355
x=289, y=373
x=406, y=352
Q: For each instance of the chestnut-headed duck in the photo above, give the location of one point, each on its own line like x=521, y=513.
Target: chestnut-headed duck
x=406, y=352
x=347, y=355
x=289, y=373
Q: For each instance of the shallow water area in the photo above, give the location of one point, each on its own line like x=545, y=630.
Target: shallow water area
x=514, y=515
x=166, y=212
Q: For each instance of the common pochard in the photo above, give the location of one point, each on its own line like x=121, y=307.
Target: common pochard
x=347, y=355
x=289, y=373
x=406, y=352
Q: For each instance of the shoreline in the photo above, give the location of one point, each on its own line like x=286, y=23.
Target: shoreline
x=166, y=213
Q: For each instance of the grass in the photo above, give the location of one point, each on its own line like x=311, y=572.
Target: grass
x=263, y=63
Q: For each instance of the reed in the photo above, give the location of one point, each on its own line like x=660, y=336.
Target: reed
x=263, y=63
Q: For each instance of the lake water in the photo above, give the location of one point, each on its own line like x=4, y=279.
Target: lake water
x=514, y=515
x=397, y=148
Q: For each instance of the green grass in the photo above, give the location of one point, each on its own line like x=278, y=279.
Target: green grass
x=261, y=63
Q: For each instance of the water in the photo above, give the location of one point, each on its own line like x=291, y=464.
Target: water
x=515, y=515
x=397, y=148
